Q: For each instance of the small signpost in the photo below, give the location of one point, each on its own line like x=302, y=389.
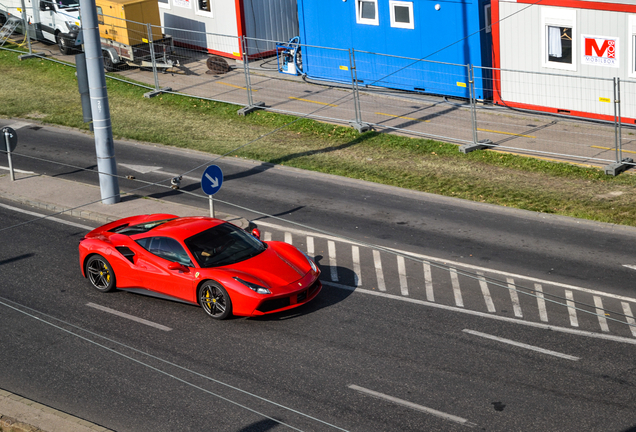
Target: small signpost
x=9, y=143
x=211, y=182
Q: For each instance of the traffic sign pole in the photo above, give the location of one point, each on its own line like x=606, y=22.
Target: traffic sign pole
x=8, y=134
x=211, y=206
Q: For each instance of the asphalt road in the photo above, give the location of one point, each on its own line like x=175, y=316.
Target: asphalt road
x=317, y=368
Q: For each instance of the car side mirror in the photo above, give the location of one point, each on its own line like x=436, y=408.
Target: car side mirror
x=256, y=233
x=177, y=266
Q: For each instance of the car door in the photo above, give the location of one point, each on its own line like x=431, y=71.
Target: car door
x=153, y=265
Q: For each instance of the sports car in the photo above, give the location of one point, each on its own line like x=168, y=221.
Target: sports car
x=199, y=260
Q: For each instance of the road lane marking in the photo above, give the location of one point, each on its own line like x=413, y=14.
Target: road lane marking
x=428, y=281
x=574, y=322
x=608, y=148
x=377, y=262
x=288, y=237
x=521, y=345
x=311, y=101
x=267, y=236
x=402, y=273
x=457, y=293
x=17, y=170
x=333, y=265
x=357, y=273
x=600, y=312
x=514, y=297
x=543, y=312
x=130, y=317
x=629, y=316
x=567, y=330
x=43, y=216
x=402, y=117
x=310, y=246
x=506, y=133
x=235, y=86
x=412, y=405
x=486, y=293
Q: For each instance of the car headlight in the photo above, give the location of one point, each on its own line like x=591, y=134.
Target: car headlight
x=72, y=26
x=254, y=287
x=311, y=262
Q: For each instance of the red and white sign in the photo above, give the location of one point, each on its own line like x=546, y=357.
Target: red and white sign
x=599, y=51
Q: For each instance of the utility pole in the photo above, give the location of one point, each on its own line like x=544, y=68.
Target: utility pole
x=102, y=127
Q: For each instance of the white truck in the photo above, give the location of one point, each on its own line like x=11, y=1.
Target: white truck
x=56, y=21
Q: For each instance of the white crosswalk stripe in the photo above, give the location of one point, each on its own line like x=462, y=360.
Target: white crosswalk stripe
x=459, y=301
x=333, y=265
x=601, y=313
x=267, y=236
x=377, y=262
x=357, y=273
x=428, y=281
x=402, y=273
x=629, y=317
x=543, y=313
x=574, y=322
x=310, y=247
x=486, y=293
x=288, y=238
x=514, y=297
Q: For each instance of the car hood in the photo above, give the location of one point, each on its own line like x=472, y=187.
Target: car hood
x=276, y=266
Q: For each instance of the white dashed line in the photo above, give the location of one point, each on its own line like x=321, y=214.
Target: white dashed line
x=377, y=261
x=600, y=312
x=522, y=345
x=574, y=321
x=514, y=297
x=543, y=312
x=411, y=405
x=459, y=301
x=402, y=273
x=130, y=317
x=51, y=218
x=486, y=293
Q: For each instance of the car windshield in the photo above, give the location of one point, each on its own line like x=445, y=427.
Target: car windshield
x=67, y=4
x=223, y=245
x=140, y=228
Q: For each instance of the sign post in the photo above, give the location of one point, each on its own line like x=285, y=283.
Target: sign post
x=211, y=182
x=10, y=142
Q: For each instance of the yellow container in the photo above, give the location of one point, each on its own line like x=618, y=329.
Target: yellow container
x=125, y=21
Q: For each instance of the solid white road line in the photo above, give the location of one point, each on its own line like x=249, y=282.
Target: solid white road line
x=402, y=272
x=377, y=261
x=310, y=246
x=456, y=290
x=130, y=317
x=522, y=345
x=288, y=237
x=52, y=218
x=333, y=265
x=485, y=315
x=428, y=282
x=267, y=236
x=411, y=405
x=15, y=169
x=357, y=273
x=574, y=321
x=543, y=312
x=600, y=312
x=514, y=297
x=486, y=292
x=629, y=317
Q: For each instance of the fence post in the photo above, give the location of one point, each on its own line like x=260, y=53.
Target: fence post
x=28, y=38
x=151, y=47
x=357, y=123
x=251, y=106
x=621, y=164
x=476, y=145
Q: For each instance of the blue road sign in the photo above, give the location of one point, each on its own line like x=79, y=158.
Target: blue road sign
x=212, y=180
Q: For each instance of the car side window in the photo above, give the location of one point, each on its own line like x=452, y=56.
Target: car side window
x=166, y=248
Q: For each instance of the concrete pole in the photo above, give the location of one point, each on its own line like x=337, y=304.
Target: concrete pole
x=102, y=127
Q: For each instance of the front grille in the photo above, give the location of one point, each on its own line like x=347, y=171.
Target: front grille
x=301, y=297
x=273, y=304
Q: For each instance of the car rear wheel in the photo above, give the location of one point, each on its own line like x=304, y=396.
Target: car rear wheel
x=214, y=300
x=100, y=273
x=61, y=43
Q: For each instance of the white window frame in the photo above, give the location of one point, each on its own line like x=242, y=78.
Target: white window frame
x=204, y=13
x=487, y=18
x=164, y=5
x=558, y=17
x=368, y=21
x=407, y=4
x=631, y=45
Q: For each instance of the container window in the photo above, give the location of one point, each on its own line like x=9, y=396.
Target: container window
x=558, y=38
x=204, y=7
x=401, y=14
x=560, y=44
x=367, y=12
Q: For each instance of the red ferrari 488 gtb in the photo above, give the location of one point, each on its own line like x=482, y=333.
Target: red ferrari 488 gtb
x=199, y=260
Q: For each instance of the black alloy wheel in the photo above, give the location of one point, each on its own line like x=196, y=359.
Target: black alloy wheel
x=214, y=300
x=100, y=273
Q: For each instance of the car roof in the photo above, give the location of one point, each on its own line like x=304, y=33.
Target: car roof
x=182, y=228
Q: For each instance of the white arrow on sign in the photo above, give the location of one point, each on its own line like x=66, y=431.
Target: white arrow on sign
x=214, y=181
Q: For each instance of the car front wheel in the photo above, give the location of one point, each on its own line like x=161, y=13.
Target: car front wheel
x=215, y=300
x=100, y=273
x=61, y=43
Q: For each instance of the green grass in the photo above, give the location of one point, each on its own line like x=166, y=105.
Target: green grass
x=47, y=91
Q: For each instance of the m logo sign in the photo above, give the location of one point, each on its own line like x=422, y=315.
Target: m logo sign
x=600, y=51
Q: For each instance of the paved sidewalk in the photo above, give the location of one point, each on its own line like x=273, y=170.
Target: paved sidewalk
x=84, y=201
x=18, y=414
